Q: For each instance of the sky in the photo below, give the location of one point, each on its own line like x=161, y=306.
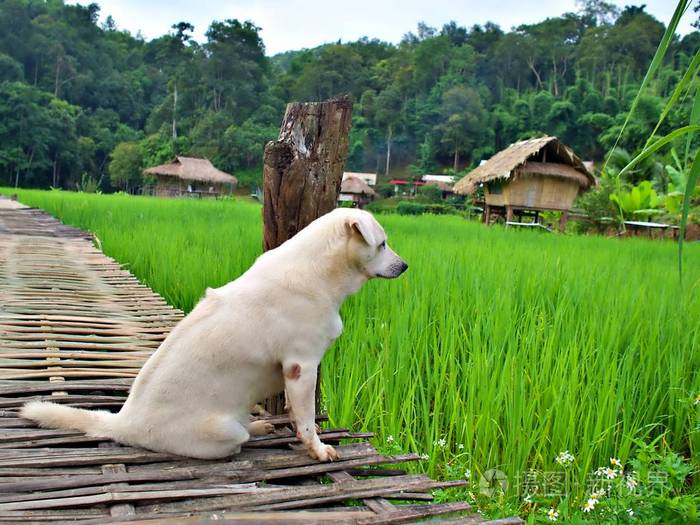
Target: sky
x=296, y=24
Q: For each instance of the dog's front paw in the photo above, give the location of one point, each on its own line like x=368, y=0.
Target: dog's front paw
x=324, y=453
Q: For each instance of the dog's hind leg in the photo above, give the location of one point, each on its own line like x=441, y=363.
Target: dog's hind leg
x=221, y=436
x=260, y=428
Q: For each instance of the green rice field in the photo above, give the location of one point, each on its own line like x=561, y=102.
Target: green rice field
x=497, y=349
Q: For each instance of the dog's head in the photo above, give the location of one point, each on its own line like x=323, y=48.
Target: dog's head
x=368, y=247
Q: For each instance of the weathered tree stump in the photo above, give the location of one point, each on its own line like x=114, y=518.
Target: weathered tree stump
x=302, y=172
x=303, y=169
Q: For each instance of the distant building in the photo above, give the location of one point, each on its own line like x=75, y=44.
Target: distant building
x=446, y=179
x=356, y=190
x=369, y=178
x=405, y=187
x=188, y=176
x=528, y=177
x=445, y=189
x=443, y=182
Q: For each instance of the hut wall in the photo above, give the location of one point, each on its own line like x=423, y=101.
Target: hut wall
x=167, y=187
x=535, y=192
x=494, y=193
x=175, y=187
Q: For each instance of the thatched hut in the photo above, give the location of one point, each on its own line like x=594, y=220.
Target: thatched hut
x=188, y=176
x=529, y=176
x=444, y=183
x=355, y=190
x=369, y=178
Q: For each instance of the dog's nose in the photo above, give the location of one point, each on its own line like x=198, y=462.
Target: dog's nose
x=403, y=267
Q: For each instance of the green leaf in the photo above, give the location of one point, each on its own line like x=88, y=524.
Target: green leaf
x=694, y=121
x=680, y=88
x=658, y=145
x=689, y=187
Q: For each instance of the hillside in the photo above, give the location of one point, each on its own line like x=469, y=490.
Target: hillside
x=71, y=90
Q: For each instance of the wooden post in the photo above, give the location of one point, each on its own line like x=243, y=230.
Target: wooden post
x=563, y=220
x=302, y=172
x=509, y=214
x=487, y=214
x=303, y=169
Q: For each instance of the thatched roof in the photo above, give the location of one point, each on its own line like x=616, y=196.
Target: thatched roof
x=189, y=168
x=543, y=156
x=369, y=178
x=356, y=185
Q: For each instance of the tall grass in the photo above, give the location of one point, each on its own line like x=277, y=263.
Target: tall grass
x=516, y=345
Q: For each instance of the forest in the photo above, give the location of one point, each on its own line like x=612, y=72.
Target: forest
x=86, y=105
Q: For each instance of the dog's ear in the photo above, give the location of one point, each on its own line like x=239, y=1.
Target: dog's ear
x=363, y=227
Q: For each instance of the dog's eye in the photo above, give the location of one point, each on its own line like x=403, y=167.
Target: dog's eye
x=382, y=245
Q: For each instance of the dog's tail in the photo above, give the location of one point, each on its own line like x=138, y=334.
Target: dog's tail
x=97, y=423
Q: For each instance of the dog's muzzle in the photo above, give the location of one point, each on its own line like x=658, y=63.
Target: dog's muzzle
x=395, y=270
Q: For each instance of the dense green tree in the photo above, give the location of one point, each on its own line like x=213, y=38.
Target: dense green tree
x=463, y=120
x=244, y=144
x=37, y=135
x=234, y=67
x=125, y=166
x=388, y=117
x=334, y=71
x=10, y=69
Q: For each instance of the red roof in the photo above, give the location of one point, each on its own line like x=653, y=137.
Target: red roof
x=401, y=182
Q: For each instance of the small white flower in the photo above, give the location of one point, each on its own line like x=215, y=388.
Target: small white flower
x=615, y=462
x=552, y=514
x=565, y=458
x=424, y=457
x=590, y=504
x=440, y=442
x=528, y=499
x=467, y=474
x=460, y=446
x=630, y=512
x=390, y=439
x=610, y=473
x=631, y=483
x=597, y=494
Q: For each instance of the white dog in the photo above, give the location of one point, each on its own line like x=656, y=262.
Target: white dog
x=262, y=333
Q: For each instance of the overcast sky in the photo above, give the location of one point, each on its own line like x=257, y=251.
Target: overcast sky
x=296, y=24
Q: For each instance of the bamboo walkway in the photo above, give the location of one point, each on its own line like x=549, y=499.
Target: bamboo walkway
x=75, y=328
